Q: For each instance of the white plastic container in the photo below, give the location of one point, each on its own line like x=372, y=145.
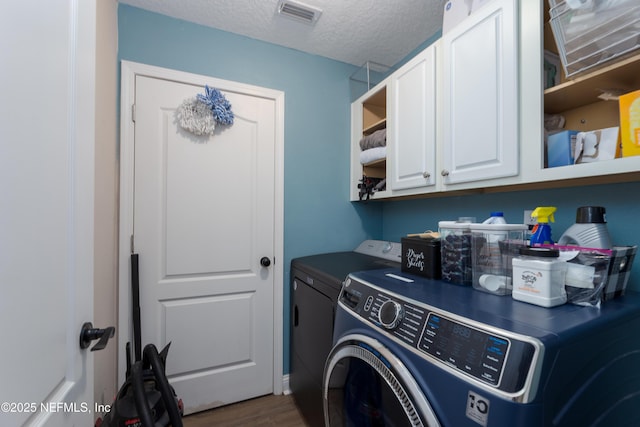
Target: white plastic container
x=538, y=277
x=594, y=34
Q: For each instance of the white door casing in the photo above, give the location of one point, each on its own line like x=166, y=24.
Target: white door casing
x=46, y=222
x=204, y=211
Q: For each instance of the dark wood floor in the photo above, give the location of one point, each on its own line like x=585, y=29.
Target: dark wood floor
x=280, y=411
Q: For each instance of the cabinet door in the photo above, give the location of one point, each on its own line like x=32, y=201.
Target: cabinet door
x=480, y=95
x=412, y=123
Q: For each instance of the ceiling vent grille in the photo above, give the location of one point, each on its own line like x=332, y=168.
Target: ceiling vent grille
x=299, y=11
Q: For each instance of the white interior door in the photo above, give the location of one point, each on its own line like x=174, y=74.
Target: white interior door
x=204, y=217
x=47, y=81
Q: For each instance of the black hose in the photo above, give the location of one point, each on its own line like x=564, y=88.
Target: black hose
x=140, y=397
x=151, y=356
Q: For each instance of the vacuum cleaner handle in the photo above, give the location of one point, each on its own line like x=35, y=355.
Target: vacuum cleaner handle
x=140, y=397
x=128, y=351
x=135, y=303
x=151, y=355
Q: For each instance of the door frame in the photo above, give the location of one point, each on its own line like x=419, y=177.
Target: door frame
x=128, y=71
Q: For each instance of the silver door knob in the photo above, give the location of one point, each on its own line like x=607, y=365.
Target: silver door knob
x=444, y=172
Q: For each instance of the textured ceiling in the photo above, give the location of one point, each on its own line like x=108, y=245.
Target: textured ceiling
x=351, y=31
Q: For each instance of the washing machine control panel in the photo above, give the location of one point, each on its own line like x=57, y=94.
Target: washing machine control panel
x=498, y=360
x=468, y=349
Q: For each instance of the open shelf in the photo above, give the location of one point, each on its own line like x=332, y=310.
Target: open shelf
x=381, y=124
x=375, y=169
x=623, y=75
x=374, y=110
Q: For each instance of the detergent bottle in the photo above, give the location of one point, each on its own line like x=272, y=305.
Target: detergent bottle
x=542, y=230
x=496, y=217
x=590, y=229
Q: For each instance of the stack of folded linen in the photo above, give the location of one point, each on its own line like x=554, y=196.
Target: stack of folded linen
x=374, y=146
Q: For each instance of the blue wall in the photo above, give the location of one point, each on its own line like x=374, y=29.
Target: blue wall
x=318, y=216
x=317, y=213
x=620, y=201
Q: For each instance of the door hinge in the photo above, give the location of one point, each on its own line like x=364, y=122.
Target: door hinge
x=131, y=244
x=133, y=113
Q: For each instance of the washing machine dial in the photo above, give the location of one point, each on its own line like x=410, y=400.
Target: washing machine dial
x=390, y=314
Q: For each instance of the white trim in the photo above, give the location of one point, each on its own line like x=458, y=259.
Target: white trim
x=129, y=71
x=286, y=389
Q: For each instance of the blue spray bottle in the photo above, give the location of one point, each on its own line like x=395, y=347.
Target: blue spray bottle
x=542, y=230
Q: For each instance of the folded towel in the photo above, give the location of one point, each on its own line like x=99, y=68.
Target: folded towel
x=376, y=139
x=373, y=154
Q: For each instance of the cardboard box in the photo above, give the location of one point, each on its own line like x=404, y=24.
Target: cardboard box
x=560, y=147
x=630, y=123
x=597, y=145
x=421, y=256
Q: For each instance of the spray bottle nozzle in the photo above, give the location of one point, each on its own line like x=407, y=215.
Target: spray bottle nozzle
x=543, y=214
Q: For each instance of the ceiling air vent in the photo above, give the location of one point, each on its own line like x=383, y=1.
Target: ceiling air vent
x=299, y=11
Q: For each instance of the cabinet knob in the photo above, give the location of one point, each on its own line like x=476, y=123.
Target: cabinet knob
x=444, y=172
x=426, y=174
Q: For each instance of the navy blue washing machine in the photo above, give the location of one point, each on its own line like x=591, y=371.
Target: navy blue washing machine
x=410, y=351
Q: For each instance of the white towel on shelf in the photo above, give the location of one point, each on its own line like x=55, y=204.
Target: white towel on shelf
x=373, y=154
x=376, y=139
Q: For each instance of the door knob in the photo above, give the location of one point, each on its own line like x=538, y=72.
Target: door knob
x=88, y=333
x=265, y=261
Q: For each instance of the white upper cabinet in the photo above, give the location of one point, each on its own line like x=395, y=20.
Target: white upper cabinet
x=576, y=99
x=480, y=96
x=412, y=123
x=467, y=113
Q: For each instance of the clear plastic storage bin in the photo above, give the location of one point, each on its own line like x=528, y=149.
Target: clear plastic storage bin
x=493, y=246
x=595, y=32
x=455, y=251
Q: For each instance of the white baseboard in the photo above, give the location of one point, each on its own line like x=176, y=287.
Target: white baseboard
x=285, y=384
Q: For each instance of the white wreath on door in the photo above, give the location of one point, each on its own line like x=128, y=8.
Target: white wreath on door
x=200, y=114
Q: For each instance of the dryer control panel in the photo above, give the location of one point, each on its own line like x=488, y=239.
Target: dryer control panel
x=493, y=357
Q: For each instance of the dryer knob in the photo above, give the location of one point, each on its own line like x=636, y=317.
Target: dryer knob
x=390, y=314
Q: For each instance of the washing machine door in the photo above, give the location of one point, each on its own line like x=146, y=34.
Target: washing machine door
x=365, y=385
